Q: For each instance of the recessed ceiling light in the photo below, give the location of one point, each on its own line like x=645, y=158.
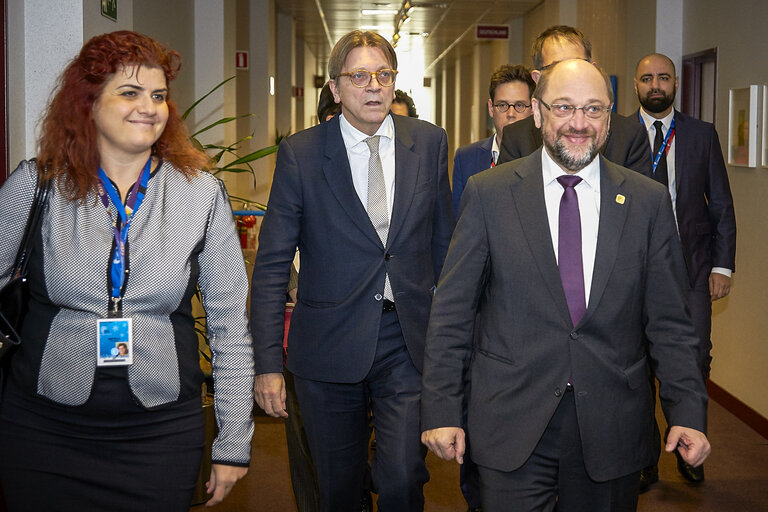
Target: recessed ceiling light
x=378, y=12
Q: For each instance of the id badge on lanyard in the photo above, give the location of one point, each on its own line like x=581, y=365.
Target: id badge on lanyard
x=114, y=335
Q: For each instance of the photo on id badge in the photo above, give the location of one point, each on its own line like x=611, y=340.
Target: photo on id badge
x=114, y=343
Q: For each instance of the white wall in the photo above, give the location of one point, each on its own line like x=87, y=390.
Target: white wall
x=35, y=60
x=740, y=322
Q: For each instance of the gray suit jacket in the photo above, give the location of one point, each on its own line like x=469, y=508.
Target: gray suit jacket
x=501, y=267
x=313, y=206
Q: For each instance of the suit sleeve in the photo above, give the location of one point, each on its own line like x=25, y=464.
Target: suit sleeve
x=224, y=288
x=444, y=218
x=720, y=206
x=459, y=180
x=671, y=336
x=639, y=151
x=451, y=324
x=278, y=239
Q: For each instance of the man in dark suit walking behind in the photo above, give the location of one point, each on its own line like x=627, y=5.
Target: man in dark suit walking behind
x=570, y=269
x=687, y=159
x=365, y=197
x=509, y=101
x=626, y=144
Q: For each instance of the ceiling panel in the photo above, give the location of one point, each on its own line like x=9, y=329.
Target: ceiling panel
x=439, y=23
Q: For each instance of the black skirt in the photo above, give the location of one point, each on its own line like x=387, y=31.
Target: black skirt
x=108, y=454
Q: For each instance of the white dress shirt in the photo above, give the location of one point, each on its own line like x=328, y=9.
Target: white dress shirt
x=495, y=149
x=588, y=193
x=666, y=122
x=359, y=154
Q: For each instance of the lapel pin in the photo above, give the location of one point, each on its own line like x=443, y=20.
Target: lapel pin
x=620, y=198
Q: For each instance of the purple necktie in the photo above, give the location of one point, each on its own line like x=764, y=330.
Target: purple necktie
x=569, y=249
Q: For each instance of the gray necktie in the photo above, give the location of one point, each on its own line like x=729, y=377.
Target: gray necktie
x=377, y=200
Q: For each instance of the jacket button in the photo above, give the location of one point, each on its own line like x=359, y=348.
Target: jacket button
x=574, y=335
x=558, y=392
x=387, y=256
x=378, y=296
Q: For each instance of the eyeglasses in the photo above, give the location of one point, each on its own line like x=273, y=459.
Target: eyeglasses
x=362, y=77
x=503, y=106
x=563, y=111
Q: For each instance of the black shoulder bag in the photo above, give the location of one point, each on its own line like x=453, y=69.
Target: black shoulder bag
x=14, y=296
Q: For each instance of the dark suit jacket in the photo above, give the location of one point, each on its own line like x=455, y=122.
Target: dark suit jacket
x=626, y=145
x=313, y=205
x=704, y=204
x=501, y=265
x=468, y=161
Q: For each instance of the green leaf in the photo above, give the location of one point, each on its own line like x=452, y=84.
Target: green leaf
x=192, y=107
x=261, y=153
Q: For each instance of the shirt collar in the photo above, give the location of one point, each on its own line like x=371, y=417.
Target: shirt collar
x=495, y=148
x=648, y=119
x=551, y=171
x=354, y=137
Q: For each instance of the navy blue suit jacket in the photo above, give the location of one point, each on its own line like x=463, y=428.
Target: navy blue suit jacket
x=704, y=205
x=313, y=206
x=468, y=161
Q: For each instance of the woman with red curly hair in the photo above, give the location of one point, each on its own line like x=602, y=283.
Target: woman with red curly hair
x=132, y=227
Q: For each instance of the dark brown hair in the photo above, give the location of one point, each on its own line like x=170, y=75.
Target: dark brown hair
x=505, y=74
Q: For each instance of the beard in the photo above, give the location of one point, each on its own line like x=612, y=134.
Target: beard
x=656, y=105
x=567, y=158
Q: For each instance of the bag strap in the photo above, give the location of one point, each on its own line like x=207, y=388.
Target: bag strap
x=33, y=223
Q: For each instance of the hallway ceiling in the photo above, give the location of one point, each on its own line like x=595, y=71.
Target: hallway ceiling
x=437, y=23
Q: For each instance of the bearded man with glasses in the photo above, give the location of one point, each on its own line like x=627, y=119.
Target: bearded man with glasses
x=562, y=288
x=626, y=144
x=366, y=199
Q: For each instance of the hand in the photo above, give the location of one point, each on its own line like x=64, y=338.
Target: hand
x=269, y=391
x=445, y=442
x=719, y=286
x=222, y=480
x=693, y=445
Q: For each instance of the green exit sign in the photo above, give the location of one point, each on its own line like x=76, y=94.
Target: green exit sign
x=109, y=9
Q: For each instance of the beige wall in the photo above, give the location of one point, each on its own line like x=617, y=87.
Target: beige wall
x=740, y=322
x=604, y=22
x=640, y=23
x=151, y=18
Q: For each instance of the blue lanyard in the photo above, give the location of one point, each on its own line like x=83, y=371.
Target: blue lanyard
x=126, y=213
x=663, y=147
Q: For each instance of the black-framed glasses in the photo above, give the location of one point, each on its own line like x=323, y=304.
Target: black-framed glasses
x=503, y=106
x=362, y=77
x=565, y=111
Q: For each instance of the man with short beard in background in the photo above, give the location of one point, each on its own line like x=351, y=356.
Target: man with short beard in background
x=687, y=159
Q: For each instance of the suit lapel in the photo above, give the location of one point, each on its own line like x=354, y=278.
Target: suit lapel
x=407, y=170
x=483, y=156
x=614, y=205
x=531, y=209
x=680, y=150
x=338, y=174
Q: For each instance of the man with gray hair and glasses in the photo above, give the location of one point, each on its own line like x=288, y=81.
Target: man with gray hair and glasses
x=365, y=197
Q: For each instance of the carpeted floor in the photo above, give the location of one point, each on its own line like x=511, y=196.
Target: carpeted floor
x=736, y=471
